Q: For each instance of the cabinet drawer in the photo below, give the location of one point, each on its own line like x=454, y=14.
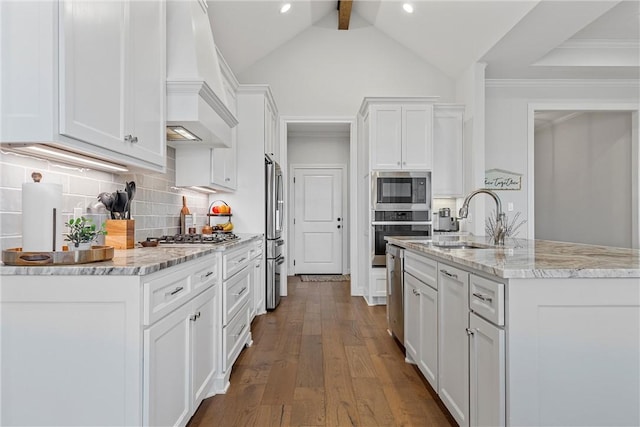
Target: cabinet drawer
x=486, y=298
x=256, y=250
x=165, y=293
x=166, y=290
x=235, y=336
x=233, y=262
x=205, y=274
x=236, y=293
x=422, y=268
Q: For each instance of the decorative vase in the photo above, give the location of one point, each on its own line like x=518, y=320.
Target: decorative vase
x=81, y=246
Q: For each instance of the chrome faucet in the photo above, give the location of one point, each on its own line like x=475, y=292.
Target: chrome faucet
x=500, y=231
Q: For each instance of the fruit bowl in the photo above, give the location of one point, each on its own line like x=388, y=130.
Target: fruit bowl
x=219, y=207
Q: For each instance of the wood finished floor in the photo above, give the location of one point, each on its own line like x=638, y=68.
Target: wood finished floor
x=323, y=358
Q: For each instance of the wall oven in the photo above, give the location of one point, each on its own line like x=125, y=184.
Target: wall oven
x=401, y=191
x=396, y=223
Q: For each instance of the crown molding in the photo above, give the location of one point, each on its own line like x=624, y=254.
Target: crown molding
x=562, y=83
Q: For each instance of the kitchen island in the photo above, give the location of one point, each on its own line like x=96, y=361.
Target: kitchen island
x=532, y=333
x=141, y=339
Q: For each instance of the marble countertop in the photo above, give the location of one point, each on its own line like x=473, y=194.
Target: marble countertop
x=133, y=262
x=522, y=258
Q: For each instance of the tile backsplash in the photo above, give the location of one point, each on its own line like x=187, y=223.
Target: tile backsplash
x=155, y=208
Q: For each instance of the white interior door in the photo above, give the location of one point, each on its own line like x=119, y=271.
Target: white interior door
x=318, y=220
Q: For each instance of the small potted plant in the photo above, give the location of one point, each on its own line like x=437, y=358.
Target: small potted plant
x=82, y=232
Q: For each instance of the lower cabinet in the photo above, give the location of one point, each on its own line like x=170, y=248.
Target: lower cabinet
x=421, y=327
x=453, y=342
x=180, y=360
x=487, y=376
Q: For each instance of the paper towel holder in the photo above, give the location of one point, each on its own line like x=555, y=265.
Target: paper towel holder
x=37, y=177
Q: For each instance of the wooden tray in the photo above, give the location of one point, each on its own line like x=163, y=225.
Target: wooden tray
x=15, y=256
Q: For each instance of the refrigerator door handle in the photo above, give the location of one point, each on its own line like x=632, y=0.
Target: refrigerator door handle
x=280, y=261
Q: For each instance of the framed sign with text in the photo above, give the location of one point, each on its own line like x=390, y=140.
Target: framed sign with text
x=500, y=179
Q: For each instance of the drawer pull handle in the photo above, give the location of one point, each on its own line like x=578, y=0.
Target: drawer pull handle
x=240, y=261
x=209, y=273
x=482, y=297
x=446, y=273
x=241, y=291
x=240, y=331
x=175, y=291
x=195, y=317
x=257, y=265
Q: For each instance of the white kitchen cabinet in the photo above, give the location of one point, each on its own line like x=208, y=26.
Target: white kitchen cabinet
x=412, y=324
x=124, y=347
x=271, y=142
x=487, y=373
x=258, y=278
x=448, y=167
x=453, y=342
x=421, y=314
x=401, y=137
x=87, y=75
x=428, y=350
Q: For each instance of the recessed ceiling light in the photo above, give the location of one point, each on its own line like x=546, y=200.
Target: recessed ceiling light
x=408, y=7
x=285, y=8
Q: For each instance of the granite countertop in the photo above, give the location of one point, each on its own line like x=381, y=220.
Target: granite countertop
x=133, y=262
x=522, y=258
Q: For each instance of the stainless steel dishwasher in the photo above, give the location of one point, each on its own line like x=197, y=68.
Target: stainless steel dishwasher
x=395, y=291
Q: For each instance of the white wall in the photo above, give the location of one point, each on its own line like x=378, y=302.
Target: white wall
x=321, y=149
x=583, y=179
x=507, y=122
x=323, y=71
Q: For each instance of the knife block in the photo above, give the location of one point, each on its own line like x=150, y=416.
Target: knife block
x=120, y=233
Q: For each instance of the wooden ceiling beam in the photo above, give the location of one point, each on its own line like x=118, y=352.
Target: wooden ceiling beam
x=344, y=14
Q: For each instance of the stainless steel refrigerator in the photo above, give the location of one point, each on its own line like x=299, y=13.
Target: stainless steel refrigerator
x=274, y=230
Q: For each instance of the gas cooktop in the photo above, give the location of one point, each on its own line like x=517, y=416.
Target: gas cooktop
x=194, y=238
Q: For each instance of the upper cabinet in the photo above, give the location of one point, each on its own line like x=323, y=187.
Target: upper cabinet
x=400, y=133
x=271, y=142
x=448, y=168
x=94, y=75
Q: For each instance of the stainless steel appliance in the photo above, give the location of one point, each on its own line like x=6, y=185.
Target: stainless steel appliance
x=445, y=221
x=396, y=223
x=401, y=191
x=274, y=188
x=395, y=291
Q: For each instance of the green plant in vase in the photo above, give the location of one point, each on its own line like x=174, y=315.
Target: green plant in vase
x=82, y=231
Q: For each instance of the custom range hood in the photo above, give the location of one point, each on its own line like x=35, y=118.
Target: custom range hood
x=196, y=99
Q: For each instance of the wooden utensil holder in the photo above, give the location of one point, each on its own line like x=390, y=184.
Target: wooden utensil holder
x=120, y=233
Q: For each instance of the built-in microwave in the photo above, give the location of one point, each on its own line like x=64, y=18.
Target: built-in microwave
x=401, y=191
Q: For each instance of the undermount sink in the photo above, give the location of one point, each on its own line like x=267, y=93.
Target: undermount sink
x=460, y=245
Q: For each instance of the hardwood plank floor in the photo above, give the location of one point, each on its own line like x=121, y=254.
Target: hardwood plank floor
x=323, y=358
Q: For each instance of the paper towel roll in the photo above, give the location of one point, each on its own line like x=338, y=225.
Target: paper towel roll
x=38, y=203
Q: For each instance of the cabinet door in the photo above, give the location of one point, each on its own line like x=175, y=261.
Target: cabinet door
x=487, y=376
x=386, y=136
x=205, y=326
x=145, y=94
x=448, y=178
x=259, y=288
x=417, y=137
x=93, y=71
x=453, y=342
x=166, y=370
x=269, y=143
x=412, y=321
x=428, y=350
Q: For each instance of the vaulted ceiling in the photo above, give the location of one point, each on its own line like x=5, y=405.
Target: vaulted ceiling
x=516, y=38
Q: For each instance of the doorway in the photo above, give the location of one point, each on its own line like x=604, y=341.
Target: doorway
x=318, y=219
x=584, y=176
x=320, y=143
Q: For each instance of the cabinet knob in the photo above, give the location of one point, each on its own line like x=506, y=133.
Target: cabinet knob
x=227, y=179
x=398, y=163
x=470, y=331
x=130, y=138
